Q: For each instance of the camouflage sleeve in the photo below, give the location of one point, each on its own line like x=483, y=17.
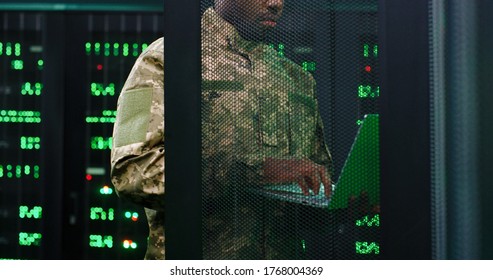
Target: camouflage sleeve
x=321, y=154
x=137, y=156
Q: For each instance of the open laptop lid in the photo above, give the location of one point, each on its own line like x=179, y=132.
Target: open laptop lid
x=359, y=174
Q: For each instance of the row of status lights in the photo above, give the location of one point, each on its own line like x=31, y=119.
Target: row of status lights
x=10, y=49
x=100, y=241
x=30, y=143
x=13, y=116
x=115, y=49
x=96, y=241
x=7, y=171
x=18, y=64
x=109, y=116
x=98, y=213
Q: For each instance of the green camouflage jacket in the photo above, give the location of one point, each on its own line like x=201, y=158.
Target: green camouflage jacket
x=255, y=104
x=137, y=156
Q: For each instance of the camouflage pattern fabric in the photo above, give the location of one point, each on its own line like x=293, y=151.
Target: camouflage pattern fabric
x=137, y=156
x=255, y=104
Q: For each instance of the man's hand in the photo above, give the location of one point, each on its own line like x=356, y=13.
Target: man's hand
x=305, y=172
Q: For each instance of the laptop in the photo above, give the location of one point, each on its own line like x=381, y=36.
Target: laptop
x=360, y=172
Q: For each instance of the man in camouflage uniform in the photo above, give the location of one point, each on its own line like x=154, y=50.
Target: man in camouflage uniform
x=260, y=126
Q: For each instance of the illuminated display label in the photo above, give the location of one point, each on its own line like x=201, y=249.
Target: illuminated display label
x=98, y=89
x=101, y=143
x=35, y=213
x=366, y=248
x=97, y=213
x=31, y=88
x=309, y=66
x=29, y=239
x=367, y=91
x=370, y=50
x=17, y=64
x=99, y=241
x=19, y=171
x=30, y=143
x=369, y=222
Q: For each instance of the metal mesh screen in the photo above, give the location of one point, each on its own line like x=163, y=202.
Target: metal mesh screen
x=290, y=154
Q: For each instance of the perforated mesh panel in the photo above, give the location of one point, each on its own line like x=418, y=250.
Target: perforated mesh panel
x=279, y=113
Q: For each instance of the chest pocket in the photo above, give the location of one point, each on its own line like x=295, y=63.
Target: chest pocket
x=302, y=123
x=226, y=117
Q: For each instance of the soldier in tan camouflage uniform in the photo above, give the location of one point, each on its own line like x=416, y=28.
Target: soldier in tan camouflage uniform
x=137, y=157
x=260, y=126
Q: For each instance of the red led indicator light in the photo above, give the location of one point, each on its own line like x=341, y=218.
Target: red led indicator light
x=88, y=177
x=100, y=67
x=368, y=68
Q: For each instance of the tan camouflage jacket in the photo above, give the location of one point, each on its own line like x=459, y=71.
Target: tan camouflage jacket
x=137, y=156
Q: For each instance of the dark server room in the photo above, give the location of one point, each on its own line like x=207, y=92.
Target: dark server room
x=401, y=91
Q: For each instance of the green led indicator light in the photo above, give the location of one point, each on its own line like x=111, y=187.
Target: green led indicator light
x=1, y=48
x=99, y=241
x=367, y=91
x=97, y=48
x=31, y=89
x=13, y=116
x=35, y=213
x=17, y=49
x=40, y=64
x=98, y=89
x=309, y=66
x=366, y=50
x=106, y=190
x=144, y=46
x=109, y=116
x=133, y=216
x=19, y=170
x=8, y=49
x=281, y=50
x=88, y=48
x=101, y=143
x=303, y=245
x=30, y=143
x=135, y=47
x=97, y=213
x=365, y=248
x=17, y=64
x=29, y=239
x=129, y=244
x=125, y=49
x=107, y=47
x=366, y=221
x=116, y=49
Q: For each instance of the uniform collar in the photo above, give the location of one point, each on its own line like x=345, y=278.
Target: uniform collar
x=227, y=35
